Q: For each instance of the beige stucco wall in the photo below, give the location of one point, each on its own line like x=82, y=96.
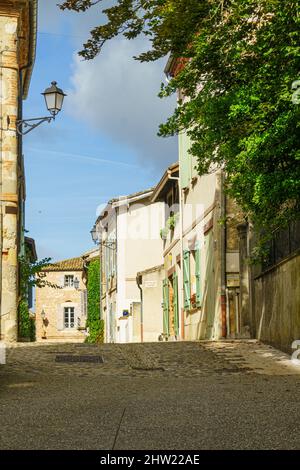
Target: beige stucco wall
x=152, y=304
x=52, y=301
x=136, y=226
x=276, y=304
x=201, y=207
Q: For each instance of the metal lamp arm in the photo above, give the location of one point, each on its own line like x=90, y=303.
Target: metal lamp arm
x=30, y=124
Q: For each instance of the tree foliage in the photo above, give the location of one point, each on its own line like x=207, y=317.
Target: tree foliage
x=241, y=61
x=31, y=275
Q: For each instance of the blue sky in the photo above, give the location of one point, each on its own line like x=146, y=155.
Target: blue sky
x=103, y=144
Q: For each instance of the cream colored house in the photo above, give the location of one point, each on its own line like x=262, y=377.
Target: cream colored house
x=128, y=232
x=17, y=54
x=201, y=251
x=61, y=312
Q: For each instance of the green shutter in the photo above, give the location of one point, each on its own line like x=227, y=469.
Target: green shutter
x=166, y=306
x=198, y=277
x=175, y=304
x=186, y=280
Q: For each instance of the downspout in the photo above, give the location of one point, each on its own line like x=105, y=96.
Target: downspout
x=139, y=284
x=223, y=258
x=180, y=277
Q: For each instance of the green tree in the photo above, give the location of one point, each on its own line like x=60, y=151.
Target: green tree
x=242, y=59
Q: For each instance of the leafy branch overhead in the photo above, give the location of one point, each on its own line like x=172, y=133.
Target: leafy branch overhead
x=242, y=59
x=31, y=275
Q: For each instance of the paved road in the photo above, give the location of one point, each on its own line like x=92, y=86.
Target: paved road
x=184, y=395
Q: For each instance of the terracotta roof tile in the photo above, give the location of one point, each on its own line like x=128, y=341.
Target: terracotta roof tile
x=72, y=264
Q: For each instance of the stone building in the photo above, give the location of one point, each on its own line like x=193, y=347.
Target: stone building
x=17, y=54
x=61, y=308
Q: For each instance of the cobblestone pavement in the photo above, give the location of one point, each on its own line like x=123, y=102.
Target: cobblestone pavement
x=176, y=359
x=176, y=395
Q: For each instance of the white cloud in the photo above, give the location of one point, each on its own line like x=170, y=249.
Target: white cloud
x=113, y=93
x=118, y=96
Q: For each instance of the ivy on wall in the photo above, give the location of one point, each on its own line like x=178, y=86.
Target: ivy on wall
x=94, y=323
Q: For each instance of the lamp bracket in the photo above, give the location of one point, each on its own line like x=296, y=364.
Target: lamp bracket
x=24, y=126
x=110, y=245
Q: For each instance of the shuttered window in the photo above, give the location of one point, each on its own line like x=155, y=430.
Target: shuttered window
x=186, y=280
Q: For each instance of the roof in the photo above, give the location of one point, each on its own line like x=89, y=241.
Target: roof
x=119, y=200
x=175, y=65
x=165, y=182
x=72, y=264
x=33, y=5
x=131, y=196
x=151, y=270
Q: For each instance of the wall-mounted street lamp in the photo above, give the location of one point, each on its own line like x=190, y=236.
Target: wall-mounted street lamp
x=54, y=98
x=96, y=239
x=95, y=235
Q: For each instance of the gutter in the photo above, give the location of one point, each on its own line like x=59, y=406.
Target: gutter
x=33, y=6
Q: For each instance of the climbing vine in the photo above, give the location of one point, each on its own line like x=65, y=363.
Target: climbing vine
x=94, y=324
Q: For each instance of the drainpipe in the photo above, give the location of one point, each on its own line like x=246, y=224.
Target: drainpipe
x=139, y=284
x=180, y=277
x=223, y=258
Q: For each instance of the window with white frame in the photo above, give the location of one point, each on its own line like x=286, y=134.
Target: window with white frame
x=69, y=317
x=69, y=280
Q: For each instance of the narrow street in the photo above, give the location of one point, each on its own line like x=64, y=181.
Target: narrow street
x=176, y=395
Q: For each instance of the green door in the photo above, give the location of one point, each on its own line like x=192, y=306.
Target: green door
x=166, y=307
x=175, y=304
x=198, y=278
x=186, y=280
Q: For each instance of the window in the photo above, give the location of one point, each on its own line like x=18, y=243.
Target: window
x=69, y=317
x=69, y=281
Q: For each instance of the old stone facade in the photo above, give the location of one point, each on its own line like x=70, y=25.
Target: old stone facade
x=61, y=311
x=17, y=51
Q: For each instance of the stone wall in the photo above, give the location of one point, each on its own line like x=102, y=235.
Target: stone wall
x=14, y=49
x=52, y=301
x=9, y=156
x=276, y=304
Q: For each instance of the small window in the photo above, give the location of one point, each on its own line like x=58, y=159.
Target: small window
x=69, y=317
x=69, y=281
